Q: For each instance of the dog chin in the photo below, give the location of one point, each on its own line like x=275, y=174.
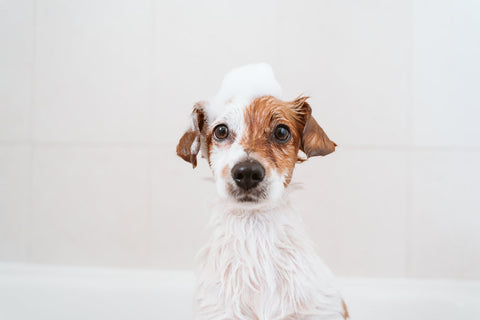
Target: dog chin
x=247, y=198
x=256, y=195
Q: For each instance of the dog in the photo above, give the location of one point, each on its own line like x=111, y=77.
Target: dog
x=258, y=263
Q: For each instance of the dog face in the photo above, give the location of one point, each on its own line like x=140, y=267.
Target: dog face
x=252, y=147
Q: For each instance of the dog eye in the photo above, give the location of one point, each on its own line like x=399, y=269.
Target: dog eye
x=282, y=133
x=220, y=132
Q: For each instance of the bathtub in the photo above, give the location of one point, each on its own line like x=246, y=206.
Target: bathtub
x=55, y=292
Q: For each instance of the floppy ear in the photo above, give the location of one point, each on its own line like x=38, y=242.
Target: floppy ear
x=315, y=141
x=189, y=144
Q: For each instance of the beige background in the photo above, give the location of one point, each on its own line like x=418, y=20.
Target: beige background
x=94, y=96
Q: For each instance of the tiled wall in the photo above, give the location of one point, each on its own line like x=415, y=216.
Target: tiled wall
x=94, y=95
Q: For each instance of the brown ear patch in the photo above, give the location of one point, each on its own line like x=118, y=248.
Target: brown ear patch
x=184, y=147
x=189, y=144
x=315, y=141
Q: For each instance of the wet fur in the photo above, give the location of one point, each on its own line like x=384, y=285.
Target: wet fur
x=258, y=263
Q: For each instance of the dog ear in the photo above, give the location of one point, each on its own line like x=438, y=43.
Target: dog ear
x=189, y=144
x=315, y=141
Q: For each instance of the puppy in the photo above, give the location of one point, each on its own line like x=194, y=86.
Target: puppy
x=258, y=263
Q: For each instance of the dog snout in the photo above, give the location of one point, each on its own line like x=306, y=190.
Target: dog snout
x=248, y=174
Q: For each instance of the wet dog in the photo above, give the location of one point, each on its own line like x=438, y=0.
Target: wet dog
x=258, y=263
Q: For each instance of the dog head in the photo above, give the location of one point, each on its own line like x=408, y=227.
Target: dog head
x=252, y=143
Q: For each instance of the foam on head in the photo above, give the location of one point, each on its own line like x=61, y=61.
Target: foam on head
x=243, y=85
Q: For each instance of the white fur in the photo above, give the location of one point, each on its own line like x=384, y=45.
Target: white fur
x=221, y=158
x=258, y=263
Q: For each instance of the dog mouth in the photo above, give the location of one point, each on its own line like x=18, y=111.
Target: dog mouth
x=247, y=198
x=253, y=195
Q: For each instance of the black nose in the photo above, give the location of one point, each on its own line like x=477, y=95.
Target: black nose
x=248, y=174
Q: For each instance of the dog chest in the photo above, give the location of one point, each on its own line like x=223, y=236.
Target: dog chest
x=258, y=266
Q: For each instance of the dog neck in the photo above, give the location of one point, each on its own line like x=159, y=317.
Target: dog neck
x=248, y=209
x=242, y=219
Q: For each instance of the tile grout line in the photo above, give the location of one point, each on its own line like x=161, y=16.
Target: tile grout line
x=409, y=212
x=29, y=219
x=149, y=219
x=150, y=150
x=409, y=178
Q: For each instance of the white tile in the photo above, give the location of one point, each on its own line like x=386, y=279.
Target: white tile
x=14, y=202
x=445, y=221
x=91, y=205
x=354, y=59
x=16, y=43
x=447, y=73
x=354, y=204
x=93, y=70
x=196, y=43
x=181, y=208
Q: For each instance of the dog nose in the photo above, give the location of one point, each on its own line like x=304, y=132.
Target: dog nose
x=248, y=174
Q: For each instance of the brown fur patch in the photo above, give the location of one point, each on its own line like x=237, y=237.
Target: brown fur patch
x=193, y=135
x=184, y=147
x=315, y=141
x=345, y=314
x=262, y=116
